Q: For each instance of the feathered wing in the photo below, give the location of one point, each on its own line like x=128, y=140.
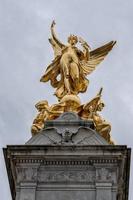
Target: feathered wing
x=93, y=104
x=88, y=108
x=52, y=72
x=96, y=57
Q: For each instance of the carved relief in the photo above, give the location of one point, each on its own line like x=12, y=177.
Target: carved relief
x=104, y=174
x=64, y=176
x=26, y=174
x=66, y=136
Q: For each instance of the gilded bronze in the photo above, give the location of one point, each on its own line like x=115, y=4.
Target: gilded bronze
x=72, y=64
x=46, y=112
x=68, y=75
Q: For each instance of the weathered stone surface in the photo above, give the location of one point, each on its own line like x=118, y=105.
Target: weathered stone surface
x=68, y=160
x=68, y=129
x=38, y=172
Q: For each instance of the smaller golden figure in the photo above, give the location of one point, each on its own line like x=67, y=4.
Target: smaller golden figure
x=90, y=111
x=46, y=112
x=38, y=123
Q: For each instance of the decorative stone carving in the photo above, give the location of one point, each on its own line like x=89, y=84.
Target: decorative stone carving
x=79, y=171
x=67, y=162
x=26, y=174
x=106, y=175
x=68, y=129
x=66, y=136
x=102, y=174
x=66, y=176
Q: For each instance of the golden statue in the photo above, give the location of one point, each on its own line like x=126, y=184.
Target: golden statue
x=90, y=111
x=72, y=64
x=67, y=73
x=38, y=123
x=46, y=112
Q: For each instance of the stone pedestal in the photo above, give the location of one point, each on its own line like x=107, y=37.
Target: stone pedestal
x=68, y=160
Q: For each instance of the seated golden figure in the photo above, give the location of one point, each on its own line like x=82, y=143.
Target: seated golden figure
x=46, y=112
x=90, y=111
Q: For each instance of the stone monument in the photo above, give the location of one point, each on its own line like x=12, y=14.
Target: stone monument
x=71, y=154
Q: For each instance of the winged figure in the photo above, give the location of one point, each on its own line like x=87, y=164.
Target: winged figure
x=67, y=72
x=91, y=111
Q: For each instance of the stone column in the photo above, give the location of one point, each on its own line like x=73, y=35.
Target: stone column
x=103, y=184
x=26, y=181
x=103, y=191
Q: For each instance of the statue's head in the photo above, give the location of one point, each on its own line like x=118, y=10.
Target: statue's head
x=72, y=39
x=41, y=105
x=100, y=105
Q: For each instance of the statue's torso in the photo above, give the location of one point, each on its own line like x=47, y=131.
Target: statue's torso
x=70, y=55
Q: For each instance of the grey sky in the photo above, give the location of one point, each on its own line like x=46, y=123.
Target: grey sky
x=25, y=53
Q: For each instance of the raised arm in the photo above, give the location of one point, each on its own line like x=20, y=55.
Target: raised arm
x=54, y=37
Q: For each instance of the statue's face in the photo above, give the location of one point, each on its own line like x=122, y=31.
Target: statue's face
x=72, y=40
x=39, y=108
x=42, y=105
x=100, y=106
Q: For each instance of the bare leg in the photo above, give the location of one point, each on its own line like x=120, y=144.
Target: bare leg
x=65, y=69
x=67, y=85
x=74, y=72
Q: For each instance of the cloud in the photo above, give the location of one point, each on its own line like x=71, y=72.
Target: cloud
x=25, y=53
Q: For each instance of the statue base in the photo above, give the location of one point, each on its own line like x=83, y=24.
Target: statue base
x=68, y=160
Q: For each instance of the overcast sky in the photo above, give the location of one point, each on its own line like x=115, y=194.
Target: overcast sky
x=25, y=53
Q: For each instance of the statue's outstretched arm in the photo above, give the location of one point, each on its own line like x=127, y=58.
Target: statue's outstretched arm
x=54, y=37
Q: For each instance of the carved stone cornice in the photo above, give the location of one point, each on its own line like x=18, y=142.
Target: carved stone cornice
x=50, y=166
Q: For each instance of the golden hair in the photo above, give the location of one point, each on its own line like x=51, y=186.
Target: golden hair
x=73, y=37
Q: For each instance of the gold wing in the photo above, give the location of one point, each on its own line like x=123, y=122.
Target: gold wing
x=90, y=106
x=93, y=104
x=96, y=57
x=51, y=73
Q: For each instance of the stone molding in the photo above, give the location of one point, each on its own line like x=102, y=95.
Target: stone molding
x=68, y=129
x=51, y=168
